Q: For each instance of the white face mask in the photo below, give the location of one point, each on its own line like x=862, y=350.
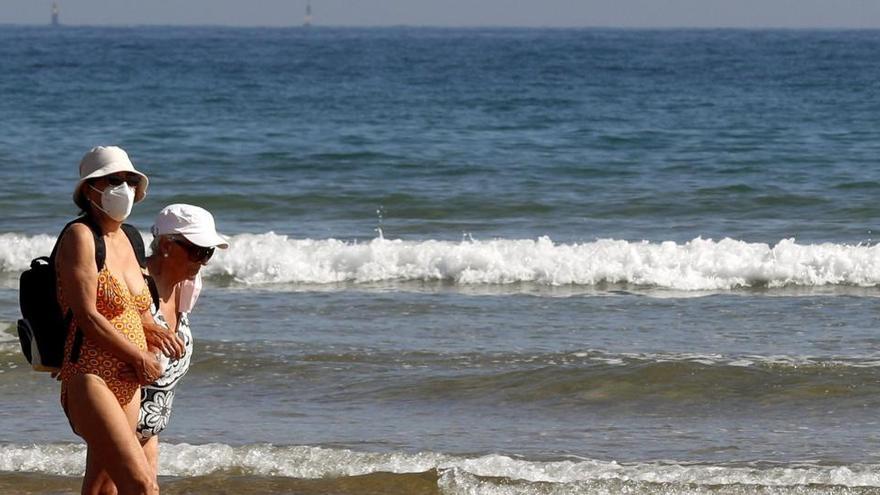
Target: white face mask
x=188, y=293
x=116, y=201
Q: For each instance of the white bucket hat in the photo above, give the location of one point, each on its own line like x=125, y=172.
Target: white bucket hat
x=101, y=161
x=192, y=222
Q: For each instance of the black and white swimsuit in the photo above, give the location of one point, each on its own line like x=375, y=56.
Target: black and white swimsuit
x=157, y=398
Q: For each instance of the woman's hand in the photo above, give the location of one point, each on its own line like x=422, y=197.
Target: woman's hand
x=164, y=340
x=144, y=371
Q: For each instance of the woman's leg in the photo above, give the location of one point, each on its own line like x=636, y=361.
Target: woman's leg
x=97, y=481
x=103, y=484
x=151, y=450
x=113, y=449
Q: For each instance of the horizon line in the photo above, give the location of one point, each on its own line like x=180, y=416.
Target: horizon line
x=444, y=26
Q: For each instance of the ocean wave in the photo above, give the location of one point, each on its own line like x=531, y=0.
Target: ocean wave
x=17, y=251
x=698, y=265
x=587, y=357
x=563, y=381
x=566, y=380
x=651, y=383
x=454, y=473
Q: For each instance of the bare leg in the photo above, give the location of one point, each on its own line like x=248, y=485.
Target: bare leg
x=151, y=450
x=113, y=449
x=101, y=484
x=105, y=484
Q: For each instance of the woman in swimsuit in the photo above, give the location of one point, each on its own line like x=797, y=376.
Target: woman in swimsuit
x=106, y=358
x=184, y=239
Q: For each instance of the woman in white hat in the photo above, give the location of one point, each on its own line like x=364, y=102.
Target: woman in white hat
x=184, y=239
x=106, y=360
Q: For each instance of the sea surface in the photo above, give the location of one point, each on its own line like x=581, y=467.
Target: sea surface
x=478, y=261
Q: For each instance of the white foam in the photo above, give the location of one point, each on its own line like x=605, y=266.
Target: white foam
x=458, y=482
x=697, y=265
x=714, y=359
x=587, y=357
x=295, y=462
x=306, y=462
x=696, y=474
x=17, y=251
x=700, y=264
x=59, y=459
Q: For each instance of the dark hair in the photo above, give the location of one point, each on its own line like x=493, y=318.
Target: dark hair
x=85, y=206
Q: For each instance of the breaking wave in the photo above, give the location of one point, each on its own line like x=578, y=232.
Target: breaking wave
x=698, y=265
x=493, y=473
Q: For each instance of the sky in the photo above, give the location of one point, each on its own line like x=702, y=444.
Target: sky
x=533, y=13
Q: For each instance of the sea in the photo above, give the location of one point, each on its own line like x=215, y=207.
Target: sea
x=477, y=261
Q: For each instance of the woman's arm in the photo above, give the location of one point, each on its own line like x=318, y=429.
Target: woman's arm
x=78, y=276
x=160, y=338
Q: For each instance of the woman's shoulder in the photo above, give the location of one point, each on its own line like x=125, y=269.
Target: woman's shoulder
x=79, y=227
x=77, y=241
x=77, y=233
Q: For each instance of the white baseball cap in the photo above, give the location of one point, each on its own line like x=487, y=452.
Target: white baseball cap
x=192, y=222
x=101, y=161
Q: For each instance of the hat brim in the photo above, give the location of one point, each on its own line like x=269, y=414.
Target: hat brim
x=140, y=191
x=206, y=239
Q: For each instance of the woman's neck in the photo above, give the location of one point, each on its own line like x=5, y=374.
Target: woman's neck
x=164, y=276
x=104, y=222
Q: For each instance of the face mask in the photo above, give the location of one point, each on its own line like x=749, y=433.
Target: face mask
x=188, y=293
x=116, y=201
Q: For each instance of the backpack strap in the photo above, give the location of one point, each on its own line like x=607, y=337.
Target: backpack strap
x=154, y=290
x=137, y=243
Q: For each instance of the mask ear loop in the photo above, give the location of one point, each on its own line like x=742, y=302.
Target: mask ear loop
x=96, y=205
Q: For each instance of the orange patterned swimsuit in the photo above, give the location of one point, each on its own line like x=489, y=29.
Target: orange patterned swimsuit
x=122, y=309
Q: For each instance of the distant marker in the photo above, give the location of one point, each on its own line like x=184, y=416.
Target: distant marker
x=55, y=12
x=308, y=20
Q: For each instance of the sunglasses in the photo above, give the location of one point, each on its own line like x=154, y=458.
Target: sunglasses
x=196, y=254
x=132, y=180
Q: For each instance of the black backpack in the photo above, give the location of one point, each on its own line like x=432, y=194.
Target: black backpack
x=43, y=328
